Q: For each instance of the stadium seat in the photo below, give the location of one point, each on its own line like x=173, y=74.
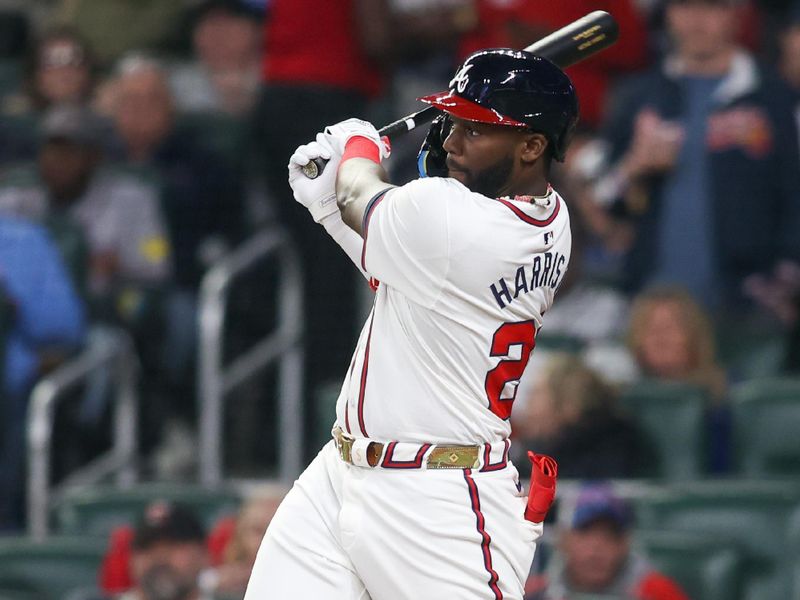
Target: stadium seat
x=706, y=569
x=96, y=511
x=750, y=351
x=48, y=570
x=766, y=421
x=794, y=553
x=673, y=417
x=559, y=343
x=752, y=514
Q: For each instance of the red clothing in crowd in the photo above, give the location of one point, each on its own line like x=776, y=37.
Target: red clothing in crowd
x=493, y=16
x=314, y=42
x=115, y=570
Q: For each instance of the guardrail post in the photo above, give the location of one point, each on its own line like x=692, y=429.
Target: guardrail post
x=117, y=356
x=215, y=380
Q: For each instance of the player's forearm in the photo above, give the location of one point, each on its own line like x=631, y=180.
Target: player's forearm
x=346, y=238
x=357, y=182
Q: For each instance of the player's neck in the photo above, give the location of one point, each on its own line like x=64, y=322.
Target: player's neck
x=530, y=187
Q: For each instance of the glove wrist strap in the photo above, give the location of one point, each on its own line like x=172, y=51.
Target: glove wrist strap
x=361, y=147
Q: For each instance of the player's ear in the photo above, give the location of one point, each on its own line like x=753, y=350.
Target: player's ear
x=535, y=145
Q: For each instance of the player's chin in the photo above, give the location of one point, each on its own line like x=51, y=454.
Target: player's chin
x=460, y=176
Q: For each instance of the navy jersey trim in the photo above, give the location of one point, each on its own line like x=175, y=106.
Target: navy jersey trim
x=371, y=205
x=527, y=218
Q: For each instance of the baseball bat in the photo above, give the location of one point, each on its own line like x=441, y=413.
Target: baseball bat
x=564, y=47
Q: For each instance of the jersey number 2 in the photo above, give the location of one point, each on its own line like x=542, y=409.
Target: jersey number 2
x=522, y=334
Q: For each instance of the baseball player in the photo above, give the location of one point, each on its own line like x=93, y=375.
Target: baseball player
x=415, y=496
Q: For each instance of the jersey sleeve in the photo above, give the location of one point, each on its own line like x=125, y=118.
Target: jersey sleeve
x=407, y=238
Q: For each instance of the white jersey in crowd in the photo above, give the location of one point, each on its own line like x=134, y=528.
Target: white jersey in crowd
x=464, y=283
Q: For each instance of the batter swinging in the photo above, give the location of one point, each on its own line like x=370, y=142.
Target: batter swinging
x=415, y=496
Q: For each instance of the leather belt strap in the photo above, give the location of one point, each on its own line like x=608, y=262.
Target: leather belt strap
x=368, y=453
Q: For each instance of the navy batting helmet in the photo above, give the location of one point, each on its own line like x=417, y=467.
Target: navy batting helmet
x=514, y=88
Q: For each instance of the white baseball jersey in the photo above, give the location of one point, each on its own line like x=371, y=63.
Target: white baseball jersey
x=464, y=282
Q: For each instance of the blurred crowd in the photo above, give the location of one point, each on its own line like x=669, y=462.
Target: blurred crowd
x=143, y=141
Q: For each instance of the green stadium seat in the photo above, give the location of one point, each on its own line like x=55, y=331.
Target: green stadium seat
x=706, y=569
x=794, y=553
x=559, y=343
x=752, y=514
x=48, y=570
x=766, y=422
x=96, y=511
x=673, y=417
x=751, y=350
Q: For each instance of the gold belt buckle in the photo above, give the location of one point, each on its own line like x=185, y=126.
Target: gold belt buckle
x=453, y=457
x=344, y=444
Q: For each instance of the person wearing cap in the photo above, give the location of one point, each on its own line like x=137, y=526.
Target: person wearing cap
x=595, y=555
x=117, y=213
x=169, y=554
x=700, y=159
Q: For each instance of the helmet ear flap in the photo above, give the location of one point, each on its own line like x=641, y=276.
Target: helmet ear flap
x=561, y=144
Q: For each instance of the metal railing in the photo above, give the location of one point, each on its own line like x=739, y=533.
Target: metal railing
x=215, y=380
x=118, y=356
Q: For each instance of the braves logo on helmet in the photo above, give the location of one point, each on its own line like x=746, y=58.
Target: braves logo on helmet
x=461, y=79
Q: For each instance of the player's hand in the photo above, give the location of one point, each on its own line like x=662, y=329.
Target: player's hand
x=341, y=132
x=432, y=157
x=317, y=195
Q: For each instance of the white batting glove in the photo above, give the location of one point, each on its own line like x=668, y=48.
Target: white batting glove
x=317, y=195
x=341, y=132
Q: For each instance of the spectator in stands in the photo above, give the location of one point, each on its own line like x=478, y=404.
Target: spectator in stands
x=44, y=321
x=168, y=554
x=117, y=213
x=201, y=195
x=671, y=339
x=692, y=146
x=571, y=415
x=789, y=38
x=224, y=75
x=60, y=69
x=201, y=200
x=232, y=545
x=595, y=555
x=321, y=65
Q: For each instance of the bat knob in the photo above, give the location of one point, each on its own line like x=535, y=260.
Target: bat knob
x=314, y=168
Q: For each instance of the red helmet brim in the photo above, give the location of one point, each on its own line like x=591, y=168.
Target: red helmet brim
x=462, y=108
